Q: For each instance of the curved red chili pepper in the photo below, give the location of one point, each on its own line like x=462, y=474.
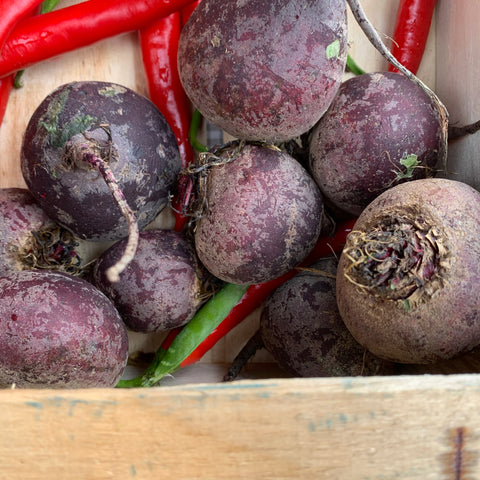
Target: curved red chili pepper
x=257, y=294
x=188, y=10
x=11, y=13
x=159, y=46
x=412, y=27
x=38, y=38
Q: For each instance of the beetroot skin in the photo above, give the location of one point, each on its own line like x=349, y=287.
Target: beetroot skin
x=160, y=288
x=264, y=69
x=301, y=327
x=264, y=215
x=375, y=126
x=58, y=331
x=122, y=127
x=408, y=277
x=20, y=215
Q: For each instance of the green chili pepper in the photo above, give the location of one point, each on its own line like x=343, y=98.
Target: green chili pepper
x=353, y=67
x=193, y=132
x=201, y=326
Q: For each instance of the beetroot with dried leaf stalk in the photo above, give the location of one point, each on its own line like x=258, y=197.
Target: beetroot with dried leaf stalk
x=30, y=239
x=408, y=277
x=263, y=213
x=100, y=159
x=20, y=215
x=380, y=130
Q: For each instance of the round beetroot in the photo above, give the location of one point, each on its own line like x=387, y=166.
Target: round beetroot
x=119, y=126
x=263, y=69
x=408, y=277
x=264, y=215
x=301, y=327
x=380, y=130
x=58, y=331
x=160, y=288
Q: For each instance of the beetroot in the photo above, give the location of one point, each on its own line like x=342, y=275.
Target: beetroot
x=160, y=289
x=301, y=327
x=20, y=216
x=264, y=69
x=29, y=239
x=82, y=123
x=58, y=331
x=408, y=277
x=263, y=215
x=380, y=130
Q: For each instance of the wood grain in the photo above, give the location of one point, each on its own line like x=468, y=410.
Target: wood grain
x=418, y=428
x=457, y=71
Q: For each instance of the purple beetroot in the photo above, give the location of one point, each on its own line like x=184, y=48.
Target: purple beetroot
x=20, y=219
x=58, y=331
x=262, y=214
x=88, y=141
x=161, y=287
x=380, y=130
x=264, y=69
x=408, y=277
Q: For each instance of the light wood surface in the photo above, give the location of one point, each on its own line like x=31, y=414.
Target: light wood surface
x=419, y=428
x=457, y=71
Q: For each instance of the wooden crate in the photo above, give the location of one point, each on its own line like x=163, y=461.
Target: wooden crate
x=421, y=425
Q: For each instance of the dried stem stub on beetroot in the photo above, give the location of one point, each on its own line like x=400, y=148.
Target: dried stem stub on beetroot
x=408, y=277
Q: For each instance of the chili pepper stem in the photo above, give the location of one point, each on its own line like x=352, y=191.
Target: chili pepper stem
x=254, y=343
x=353, y=67
x=193, y=132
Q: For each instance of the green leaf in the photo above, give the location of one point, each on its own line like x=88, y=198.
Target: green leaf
x=410, y=162
x=406, y=305
x=333, y=50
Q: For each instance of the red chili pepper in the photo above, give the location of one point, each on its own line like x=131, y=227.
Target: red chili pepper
x=188, y=10
x=257, y=294
x=45, y=36
x=159, y=46
x=11, y=13
x=414, y=18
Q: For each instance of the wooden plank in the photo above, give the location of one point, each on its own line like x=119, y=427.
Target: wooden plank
x=458, y=67
x=351, y=428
